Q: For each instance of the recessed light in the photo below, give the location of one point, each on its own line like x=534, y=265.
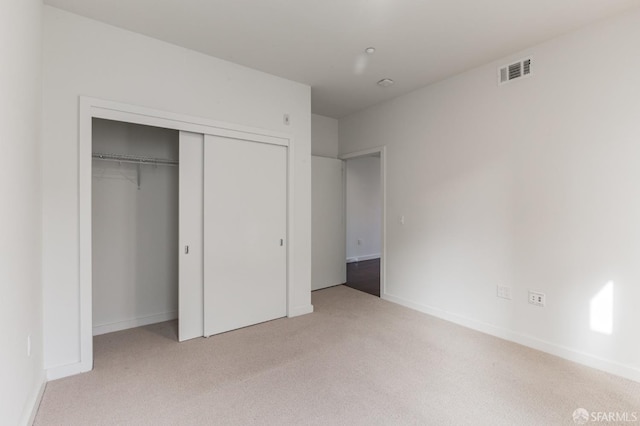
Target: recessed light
x=370, y=50
x=385, y=82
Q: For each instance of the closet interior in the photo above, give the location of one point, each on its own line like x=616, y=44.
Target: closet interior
x=134, y=225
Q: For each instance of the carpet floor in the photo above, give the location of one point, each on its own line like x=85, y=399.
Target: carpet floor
x=357, y=360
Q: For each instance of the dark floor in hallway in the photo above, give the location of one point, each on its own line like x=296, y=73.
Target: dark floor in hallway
x=364, y=276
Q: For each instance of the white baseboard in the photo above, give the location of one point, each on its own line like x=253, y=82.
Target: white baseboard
x=570, y=354
x=300, y=310
x=322, y=286
x=34, y=403
x=363, y=258
x=59, y=372
x=135, y=322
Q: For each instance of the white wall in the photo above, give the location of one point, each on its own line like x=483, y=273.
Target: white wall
x=85, y=57
x=324, y=136
x=134, y=230
x=22, y=377
x=327, y=223
x=533, y=185
x=364, y=208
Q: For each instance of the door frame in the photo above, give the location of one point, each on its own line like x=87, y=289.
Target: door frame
x=90, y=108
x=382, y=150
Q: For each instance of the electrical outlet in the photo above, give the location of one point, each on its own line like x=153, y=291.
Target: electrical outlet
x=286, y=119
x=537, y=298
x=504, y=292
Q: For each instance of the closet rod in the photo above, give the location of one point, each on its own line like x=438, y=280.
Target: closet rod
x=134, y=159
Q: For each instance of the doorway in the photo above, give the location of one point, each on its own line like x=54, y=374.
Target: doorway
x=364, y=220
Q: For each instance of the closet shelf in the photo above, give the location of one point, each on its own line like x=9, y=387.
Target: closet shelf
x=121, y=158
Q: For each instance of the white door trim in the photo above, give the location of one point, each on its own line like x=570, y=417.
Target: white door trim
x=382, y=150
x=90, y=108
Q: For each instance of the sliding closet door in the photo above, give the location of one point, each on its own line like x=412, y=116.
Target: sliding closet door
x=245, y=206
x=190, y=247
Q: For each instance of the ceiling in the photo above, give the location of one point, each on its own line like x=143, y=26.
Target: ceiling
x=321, y=42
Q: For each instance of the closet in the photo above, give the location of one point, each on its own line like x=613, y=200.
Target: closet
x=134, y=225
x=204, y=242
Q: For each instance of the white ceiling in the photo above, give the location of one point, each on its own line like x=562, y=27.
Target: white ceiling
x=318, y=42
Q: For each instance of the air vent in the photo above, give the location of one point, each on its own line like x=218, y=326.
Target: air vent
x=514, y=71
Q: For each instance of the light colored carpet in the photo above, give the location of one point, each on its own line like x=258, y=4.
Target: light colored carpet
x=357, y=360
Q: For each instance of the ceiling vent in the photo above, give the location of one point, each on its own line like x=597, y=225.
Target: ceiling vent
x=514, y=71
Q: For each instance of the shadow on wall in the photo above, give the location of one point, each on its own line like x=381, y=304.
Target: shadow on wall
x=601, y=310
